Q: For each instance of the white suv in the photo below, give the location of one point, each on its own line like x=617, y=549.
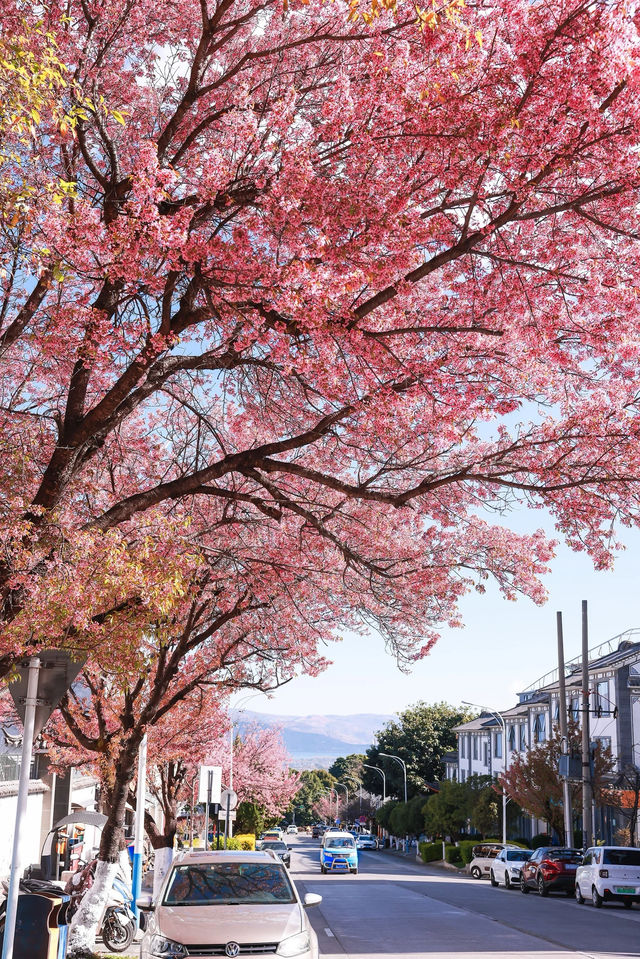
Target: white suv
x=609, y=873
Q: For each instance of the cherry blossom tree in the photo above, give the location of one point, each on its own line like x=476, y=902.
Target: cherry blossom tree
x=327, y=297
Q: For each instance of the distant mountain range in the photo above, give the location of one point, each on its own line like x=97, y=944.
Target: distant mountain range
x=314, y=742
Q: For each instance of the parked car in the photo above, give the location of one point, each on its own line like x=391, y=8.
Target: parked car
x=609, y=874
x=482, y=857
x=551, y=869
x=366, y=841
x=279, y=849
x=292, y=830
x=506, y=867
x=338, y=853
x=227, y=903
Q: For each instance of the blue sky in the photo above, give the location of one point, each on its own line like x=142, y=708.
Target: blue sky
x=503, y=648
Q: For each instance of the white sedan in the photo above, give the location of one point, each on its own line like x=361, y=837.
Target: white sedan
x=506, y=867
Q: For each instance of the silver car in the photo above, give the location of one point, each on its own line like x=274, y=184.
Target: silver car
x=227, y=903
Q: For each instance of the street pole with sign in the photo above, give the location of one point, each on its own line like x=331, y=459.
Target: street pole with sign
x=40, y=687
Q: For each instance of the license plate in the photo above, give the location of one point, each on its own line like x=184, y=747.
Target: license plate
x=626, y=890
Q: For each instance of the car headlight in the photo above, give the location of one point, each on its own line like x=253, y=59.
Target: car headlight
x=294, y=945
x=167, y=948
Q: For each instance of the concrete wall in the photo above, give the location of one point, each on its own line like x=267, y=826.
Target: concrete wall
x=31, y=833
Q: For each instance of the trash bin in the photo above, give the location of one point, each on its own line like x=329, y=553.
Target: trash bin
x=41, y=922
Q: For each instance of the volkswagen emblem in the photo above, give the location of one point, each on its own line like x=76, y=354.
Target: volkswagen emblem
x=232, y=949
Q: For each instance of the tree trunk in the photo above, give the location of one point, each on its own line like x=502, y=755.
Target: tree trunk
x=162, y=842
x=86, y=922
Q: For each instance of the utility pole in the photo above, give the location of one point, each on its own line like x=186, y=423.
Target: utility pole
x=587, y=792
x=566, y=792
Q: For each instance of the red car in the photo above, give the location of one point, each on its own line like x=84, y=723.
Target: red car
x=551, y=869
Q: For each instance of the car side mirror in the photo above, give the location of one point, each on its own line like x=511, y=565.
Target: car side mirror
x=145, y=903
x=311, y=899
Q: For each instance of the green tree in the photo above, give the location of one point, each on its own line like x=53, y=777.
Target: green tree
x=348, y=766
x=313, y=787
x=420, y=736
x=407, y=819
x=446, y=812
x=383, y=815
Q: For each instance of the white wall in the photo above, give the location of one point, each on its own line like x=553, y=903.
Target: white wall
x=30, y=831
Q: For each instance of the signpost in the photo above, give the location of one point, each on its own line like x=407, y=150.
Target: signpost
x=210, y=789
x=229, y=801
x=44, y=680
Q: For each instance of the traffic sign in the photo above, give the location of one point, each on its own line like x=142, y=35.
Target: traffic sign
x=222, y=814
x=229, y=799
x=210, y=784
x=55, y=676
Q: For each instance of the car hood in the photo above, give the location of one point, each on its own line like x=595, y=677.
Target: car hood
x=220, y=924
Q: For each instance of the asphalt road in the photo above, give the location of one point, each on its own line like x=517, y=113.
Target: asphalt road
x=398, y=908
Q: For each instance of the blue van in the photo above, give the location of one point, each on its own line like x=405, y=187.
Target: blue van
x=338, y=853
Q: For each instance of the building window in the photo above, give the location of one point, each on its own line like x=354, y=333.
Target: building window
x=512, y=738
x=498, y=752
x=485, y=758
x=462, y=739
x=602, y=704
x=539, y=730
x=475, y=747
x=463, y=775
x=556, y=711
x=574, y=711
x=523, y=737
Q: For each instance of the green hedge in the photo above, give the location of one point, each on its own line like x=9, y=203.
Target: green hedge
x=430, y=851
x=453, y=855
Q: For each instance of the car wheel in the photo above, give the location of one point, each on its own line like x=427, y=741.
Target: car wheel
x=596, y=898
x=492, y=879
x=476, y=873
x=627, y=903
x=507, y=881
x=579, y=896
x=542, y=889
x=355, y=872
x=524, y=888
x=322, y=870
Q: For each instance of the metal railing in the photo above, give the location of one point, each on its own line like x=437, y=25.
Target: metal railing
x=596, y=652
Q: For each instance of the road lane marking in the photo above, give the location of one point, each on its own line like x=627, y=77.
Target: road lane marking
x=328, y=932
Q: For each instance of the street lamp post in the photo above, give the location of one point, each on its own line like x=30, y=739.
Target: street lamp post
x=342, y=786
x=404, y=769
x=384, y=780
x=503, y=723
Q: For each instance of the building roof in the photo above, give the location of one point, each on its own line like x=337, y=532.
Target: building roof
x=483, y=721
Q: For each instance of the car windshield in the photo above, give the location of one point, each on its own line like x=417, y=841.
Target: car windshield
x=275, y=844
x=519, y=855
x=226, y=883
x=564, y=855
x=340, y=842
x=621, y=857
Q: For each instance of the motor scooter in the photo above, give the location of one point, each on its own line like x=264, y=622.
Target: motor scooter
x=118, y=924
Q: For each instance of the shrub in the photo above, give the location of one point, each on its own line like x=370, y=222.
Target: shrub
x=465, y=846
x=430, y=851
x=541, y=839
x=246, y=842
x=453, y=855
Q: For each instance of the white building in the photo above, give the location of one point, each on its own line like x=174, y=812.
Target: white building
x=614, y=701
